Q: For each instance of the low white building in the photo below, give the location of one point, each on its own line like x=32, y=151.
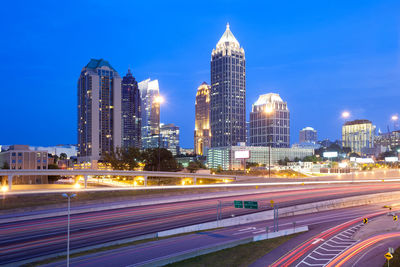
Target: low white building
x=224, y=157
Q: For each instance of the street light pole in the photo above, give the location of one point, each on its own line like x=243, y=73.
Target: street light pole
x=68, y=224
x=158, y=100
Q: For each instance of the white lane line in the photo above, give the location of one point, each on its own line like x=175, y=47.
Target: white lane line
x=341, y=242
x=261, y=231
x=310, y=264
x=318, y=259
x=322, y=254
x=248, y=228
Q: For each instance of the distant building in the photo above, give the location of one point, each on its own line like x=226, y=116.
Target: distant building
x=187, y=151
x=202, y=134
x=99, y=110
x=170, y=138
x=228, y=92
x=131, y=115
x=270, y=122
x=225, y=158
x=359, y=135
x=389, y=141
x=149, y=90
x=20, y=157
x=308, y=135
x=69, y=150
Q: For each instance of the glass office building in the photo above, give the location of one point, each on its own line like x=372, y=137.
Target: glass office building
x=99, y=110
x=131, y=115
x=270, y=122
x=228, y=92
x=359, y=135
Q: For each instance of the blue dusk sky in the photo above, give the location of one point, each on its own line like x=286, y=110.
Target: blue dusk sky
x=322, y=57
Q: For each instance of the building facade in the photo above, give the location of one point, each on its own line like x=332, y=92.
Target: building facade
x=359, y=135
x=202, y=137
x=20, y=157
x=99, y=110
x=149, y=90
x=170, y=138
x=224, y=157
x=228, y=92
x=270, y=122
x=389, y=141
x=308, y=135
x=131, y=112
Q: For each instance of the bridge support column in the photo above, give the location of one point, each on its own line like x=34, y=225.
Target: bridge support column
x=10, y=178
x=145, y=181
x=85, y=178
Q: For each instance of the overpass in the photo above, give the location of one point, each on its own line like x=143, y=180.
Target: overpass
x=87, y=173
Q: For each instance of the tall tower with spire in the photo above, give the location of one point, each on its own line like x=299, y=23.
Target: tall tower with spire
x=228, y=92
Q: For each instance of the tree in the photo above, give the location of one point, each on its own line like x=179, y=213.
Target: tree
x=53, y=178
x=193, y=167
x=151, y=160
x=6, y=166
x=354, y=154
x=123, y=158
x=63, y=156
x=312, y=158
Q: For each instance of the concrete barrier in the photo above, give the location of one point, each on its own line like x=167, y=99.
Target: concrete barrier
x=209, y=249
x=288, y=211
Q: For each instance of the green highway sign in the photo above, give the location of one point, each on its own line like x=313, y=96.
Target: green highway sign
x=251, y=205
x=238, y=204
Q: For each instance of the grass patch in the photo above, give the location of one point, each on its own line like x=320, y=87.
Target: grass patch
x=242, y=255
x=395, y=262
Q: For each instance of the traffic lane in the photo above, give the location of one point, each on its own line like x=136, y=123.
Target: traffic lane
x=136, y=224
x=374, y=256
x=168, y=209
x=145, y=252
x=347, y=257
x=108, y=234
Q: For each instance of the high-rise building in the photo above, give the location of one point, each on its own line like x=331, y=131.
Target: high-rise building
x=308, y=135
x=270, y=122
x=150, y=110
x=99, y=110
x=202, y=137
x=228, y=92
x=170, y=138
x=358, y=135
x=131, y=115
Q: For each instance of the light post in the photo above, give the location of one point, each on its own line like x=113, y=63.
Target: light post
x=68, y=196
x=346, y=115
x=158, y=100
x=268, y=111
x=394, y=118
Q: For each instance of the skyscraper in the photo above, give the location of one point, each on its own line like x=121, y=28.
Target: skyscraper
x=228, y=92
x=99, y=110
x=202, y=138
x=308, y=135
x=131, y=115
x=170, y=138
x=150, y=110
x=270, y=122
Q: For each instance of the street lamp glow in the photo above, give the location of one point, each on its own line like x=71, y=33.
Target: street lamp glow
x=158, y=99
x=395, y=118
x=4, y=188
x=268, y=110
x=345, y=114
x=77, y=186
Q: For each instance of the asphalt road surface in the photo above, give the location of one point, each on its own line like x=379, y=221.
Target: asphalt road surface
x=34, y=238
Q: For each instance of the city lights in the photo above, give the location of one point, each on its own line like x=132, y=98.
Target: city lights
x=395, y=117
x=4, y=188
x=77, y=186
x=159, y=99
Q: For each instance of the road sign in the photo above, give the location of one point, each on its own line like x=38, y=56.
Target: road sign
x=391, y=250
x=395, y=218
x=238, y=204
x=365, y=220
x=388, y=256
x=272, y=203
x=251, y=205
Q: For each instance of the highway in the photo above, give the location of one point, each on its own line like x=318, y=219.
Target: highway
x=152, y=251
x=28, y=239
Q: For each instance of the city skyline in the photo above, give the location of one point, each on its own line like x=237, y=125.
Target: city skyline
x=350, y=70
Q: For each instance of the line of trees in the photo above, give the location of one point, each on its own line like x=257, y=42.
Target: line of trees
x=130, y=159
